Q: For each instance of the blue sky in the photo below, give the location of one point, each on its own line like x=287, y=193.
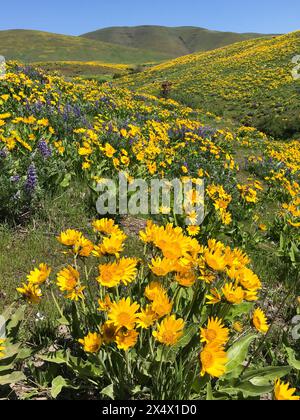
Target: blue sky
x=77, y=17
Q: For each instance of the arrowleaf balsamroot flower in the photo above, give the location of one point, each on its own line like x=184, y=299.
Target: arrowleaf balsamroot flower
x=169, y=331
x=153, y=289
x=83, y=247
x=260, y=321
x=146, y=318
x=283, y=392
x=30, y=292
x=162, y=305
x=91, y=343
x=233, y=294
x=186, y=278
x=108, y=333
x=126, y=339
x=213, y=360
x=104, y=305
x=68, y=281
x=193, y=230
x=112, y=274
x=77, y=243
x=214, y=297
x=215, y=260
x=69, y=237
x=215, y=333
x=112, y=245
x=106, y=227
x=39, y=275
x=123, y=314
x=162, y=267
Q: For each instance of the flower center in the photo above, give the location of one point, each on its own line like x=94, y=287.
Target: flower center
x=211, y=335
x=123, y=318
x=169, y=337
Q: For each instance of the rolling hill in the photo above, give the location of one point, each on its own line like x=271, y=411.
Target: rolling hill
x=174, y=42
x=30, y=46
x=250, y=81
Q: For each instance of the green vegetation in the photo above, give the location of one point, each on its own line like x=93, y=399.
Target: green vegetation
x=120, y=309
x=30, y=46
x=87, y=70
x=174, y=42
x=250, y=82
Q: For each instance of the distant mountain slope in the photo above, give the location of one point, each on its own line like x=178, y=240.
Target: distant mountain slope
x=172, y=41
x=250, y=81
x=28, y=46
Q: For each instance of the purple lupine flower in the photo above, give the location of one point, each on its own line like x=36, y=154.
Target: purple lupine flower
x=31, y=181
x=15, y=178
x=44, y=149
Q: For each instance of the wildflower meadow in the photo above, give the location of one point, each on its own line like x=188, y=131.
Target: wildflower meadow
x=151, y=305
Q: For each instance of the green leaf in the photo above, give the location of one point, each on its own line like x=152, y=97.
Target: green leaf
x=248, y=390
x=292, y=358
x=188, y=335
x=13, y=324
x=209, y=393
x=109, y=392
x=66, y=181
x=263, y=376
x=200, y=382
x=58, y=384
x=24, y=353
x=63, y=321
x=6, y=368
x=237, y=355
x=238, y=310
x=59, y=358
x=12, y=378
x=11, y=353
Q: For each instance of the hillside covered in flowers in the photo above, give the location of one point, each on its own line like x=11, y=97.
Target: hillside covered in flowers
x=148, y=307
x=249, y=81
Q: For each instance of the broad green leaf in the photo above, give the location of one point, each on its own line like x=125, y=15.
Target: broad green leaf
x=58, y=384
x=63, y=321
x=66, y=181
x=237, y=353
x=238, y=310
x=24, y=353
x=188, y=335
x=11, y=353
x=248, y=390
x=6, y=368
x=12, y=378
x=263, y=376
x=59, y=358
x=292, y=358
x=200, y=382
x=109, y=391
x=15, y=320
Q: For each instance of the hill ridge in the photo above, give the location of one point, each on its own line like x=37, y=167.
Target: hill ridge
x=175, y=41
x=34, y=45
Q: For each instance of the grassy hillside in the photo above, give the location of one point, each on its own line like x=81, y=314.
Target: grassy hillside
x=249, y=81
x=172, y=41
x=31, y=46
x=85, y=69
